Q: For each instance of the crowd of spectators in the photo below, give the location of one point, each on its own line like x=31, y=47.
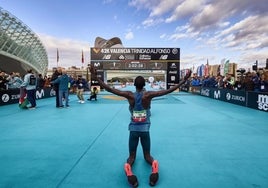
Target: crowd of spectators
x=14, y=80
x=249, y=81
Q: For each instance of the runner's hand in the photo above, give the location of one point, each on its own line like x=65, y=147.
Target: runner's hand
x=93, y=72
x=188, y=75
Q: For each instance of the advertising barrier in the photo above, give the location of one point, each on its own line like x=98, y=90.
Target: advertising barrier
x=255, y=100
x=258, y=101
x=12, y=96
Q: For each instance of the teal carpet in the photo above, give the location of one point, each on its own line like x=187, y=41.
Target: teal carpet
x=199, y=142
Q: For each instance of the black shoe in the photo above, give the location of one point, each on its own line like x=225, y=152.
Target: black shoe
x=153, y=179
x=133, y=181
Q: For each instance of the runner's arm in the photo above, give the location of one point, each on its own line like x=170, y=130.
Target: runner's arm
x=153, y=94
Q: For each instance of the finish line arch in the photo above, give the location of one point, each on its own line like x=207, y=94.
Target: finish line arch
x=167, y=59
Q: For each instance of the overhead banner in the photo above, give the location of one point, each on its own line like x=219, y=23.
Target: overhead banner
x=167, y=59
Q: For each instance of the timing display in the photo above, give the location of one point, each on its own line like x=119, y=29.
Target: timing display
x=167, y=59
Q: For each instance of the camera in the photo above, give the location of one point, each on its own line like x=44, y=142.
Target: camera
x=241, y=70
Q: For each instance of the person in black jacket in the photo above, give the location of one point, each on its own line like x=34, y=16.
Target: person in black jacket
x=57, y=73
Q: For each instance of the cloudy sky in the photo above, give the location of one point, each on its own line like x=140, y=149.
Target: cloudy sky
x=204, y=29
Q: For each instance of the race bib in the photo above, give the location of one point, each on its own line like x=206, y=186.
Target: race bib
x=139, y=116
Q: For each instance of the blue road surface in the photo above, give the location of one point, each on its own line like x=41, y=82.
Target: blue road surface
x=199, y=143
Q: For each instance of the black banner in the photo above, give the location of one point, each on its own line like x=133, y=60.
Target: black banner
x=12, y=96
x=231, y=96
x=258, y=101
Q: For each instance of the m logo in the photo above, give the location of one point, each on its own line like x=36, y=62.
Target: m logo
x=40, y=94
x=97, y=64
x=217, y=94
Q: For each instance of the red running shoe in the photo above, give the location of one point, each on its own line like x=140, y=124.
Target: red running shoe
x=132, y=179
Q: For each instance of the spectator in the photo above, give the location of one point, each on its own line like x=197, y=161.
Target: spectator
x=15, y=81
x=63, y=82
x=195, y=83
x=264, y=83
x=57, y=73
x=29, y=83
x=81, y=85
x=238, y=84
x=220, y=83
x=256, y=80
x=94, y=93
x=212, y=82
x=229, y=81
x=248, y=83
x=47, y=81
x=40, y=82
x=3, y=81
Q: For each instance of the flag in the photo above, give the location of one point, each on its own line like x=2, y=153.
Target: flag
x=57, y=55
x=226, y=67
x=206, y=70
x=82, y=57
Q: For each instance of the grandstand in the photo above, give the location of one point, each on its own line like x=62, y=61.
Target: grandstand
x=20, y=47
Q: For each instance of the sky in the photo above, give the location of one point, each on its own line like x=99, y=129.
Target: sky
x=204, y=30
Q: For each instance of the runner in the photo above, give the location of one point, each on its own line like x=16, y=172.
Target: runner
x=139, y=106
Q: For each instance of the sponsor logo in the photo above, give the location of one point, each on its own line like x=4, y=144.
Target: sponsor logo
x=229, y=97
x=173, y=66
x=155, y=65
x=172, y=72
x=121, y=57
x=97, y=64
x=163, y=57
x=107, y=56
x=217, y=94
x=263, y=102
x=130, y=56
x=40, y=94
x=173, y=78
x=205, y=92
x=145, y=57
x=238, y=98
x=175, y=50
x=5, y=97
x=52, y=92
x=13, y=97
x=96, y=50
